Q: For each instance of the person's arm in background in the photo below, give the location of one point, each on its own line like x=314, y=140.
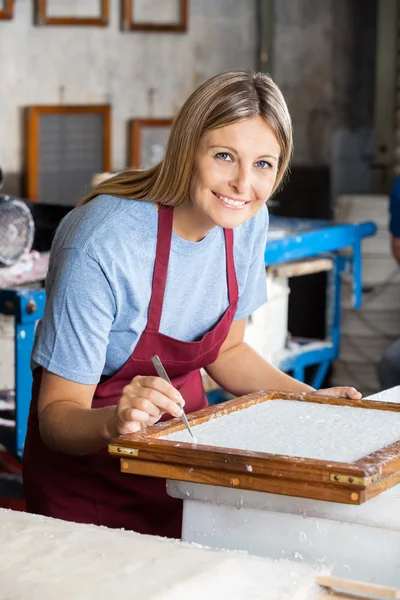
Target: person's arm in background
x=388, y=365
x=394, y=224
x=396, y=248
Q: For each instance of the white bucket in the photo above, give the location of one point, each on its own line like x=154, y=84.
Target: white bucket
x=266, y=330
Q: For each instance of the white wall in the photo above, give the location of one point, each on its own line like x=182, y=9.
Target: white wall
x=52, y=64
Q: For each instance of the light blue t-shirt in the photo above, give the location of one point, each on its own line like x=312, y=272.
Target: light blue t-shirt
x=99, y=285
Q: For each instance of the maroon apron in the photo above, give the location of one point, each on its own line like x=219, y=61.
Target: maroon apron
x=91, y=488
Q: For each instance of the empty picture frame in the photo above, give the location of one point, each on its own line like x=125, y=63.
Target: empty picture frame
x=65, y=146
x=47, y=13
x=154, y=15
x=148, y=140
x=6, y=9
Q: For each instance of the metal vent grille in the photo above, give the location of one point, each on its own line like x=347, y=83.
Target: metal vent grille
x=16, y=230
x=70, y=152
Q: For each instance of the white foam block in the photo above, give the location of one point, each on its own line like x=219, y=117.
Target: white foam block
x=43, y=559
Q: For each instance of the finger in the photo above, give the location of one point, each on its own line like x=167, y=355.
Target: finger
x=143, y=404
x=353, y=393
x=160, y=385
x=146, y=406
x=160, y=402
x=154, y=402
x=326, y=392
x=340, y=392
x=159, y=399
x=130, y=427
x=127, y=414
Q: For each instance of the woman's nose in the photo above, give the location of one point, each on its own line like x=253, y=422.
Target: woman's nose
x=240, y=180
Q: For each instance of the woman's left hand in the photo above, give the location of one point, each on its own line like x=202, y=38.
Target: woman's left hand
x=342, y=392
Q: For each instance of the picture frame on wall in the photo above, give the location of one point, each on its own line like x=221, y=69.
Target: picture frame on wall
x=46, y=13
x=6, y=9
x=148, y=140
x=65, y=146
x=155, y=15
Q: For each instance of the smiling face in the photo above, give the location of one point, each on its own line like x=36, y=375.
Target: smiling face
x=234, y=173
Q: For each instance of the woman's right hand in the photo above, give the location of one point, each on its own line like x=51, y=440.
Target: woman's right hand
x=143, y=402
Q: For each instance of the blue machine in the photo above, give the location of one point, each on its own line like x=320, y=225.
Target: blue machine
x=302, y=239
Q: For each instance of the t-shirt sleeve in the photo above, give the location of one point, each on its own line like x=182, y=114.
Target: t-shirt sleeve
x=254, y=293
x=73, y=335
x=394, y=223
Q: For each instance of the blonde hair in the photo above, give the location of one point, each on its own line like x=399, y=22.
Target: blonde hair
x=221, y=100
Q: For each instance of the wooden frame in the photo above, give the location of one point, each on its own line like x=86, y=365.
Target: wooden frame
x=33, y=114
x=7, y=9
x=135, y=144
x=43, y=18
x=350, y=483
x=337, y=588
x=129, y=24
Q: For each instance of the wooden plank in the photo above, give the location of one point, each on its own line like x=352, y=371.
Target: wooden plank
x=351, y=585
x=296, y=268
x=316, y=490
x=344, y=596
x=385, y=484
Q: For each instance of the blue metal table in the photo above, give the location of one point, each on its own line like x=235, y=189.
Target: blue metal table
x=27, y=306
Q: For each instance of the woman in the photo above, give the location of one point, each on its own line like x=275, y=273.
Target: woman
x=166, y=261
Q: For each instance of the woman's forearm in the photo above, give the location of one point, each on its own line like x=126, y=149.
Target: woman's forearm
x=241, y=370
x=71, y=429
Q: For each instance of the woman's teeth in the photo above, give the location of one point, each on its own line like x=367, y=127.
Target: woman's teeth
x=229, y=201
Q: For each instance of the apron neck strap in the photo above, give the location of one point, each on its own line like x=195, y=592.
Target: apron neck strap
x=233, y=290
x=164, y=237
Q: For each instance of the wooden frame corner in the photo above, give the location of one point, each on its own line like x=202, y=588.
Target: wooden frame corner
x=129, y=24
x=42, y=17
x=7, y=12
x=135, y=137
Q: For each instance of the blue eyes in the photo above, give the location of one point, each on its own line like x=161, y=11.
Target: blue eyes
x=223, y=155
x=263, y=164
x=226, y=157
